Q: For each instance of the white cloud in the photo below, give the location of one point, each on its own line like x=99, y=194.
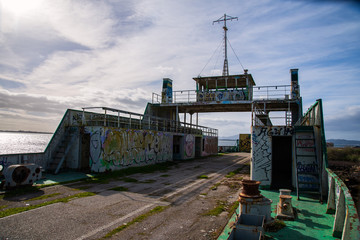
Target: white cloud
x=115, y=53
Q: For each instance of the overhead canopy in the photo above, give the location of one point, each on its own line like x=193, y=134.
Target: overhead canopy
x=231, y=81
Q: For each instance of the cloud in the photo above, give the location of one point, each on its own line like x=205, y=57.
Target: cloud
x=73, y=54
x=347, y=120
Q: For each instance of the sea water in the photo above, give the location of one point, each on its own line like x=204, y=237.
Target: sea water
x=18, y=142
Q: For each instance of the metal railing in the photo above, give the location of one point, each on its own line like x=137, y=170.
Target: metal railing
x=272, y=92
x=281, y=92
x=131, y=120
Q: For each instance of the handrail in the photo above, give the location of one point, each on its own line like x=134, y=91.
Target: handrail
x=257, y=93
x=141, y=121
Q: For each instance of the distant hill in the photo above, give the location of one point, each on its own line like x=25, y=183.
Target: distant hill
x=344, y=143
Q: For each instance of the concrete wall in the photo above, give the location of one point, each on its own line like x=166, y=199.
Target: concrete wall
x=261, y=154
x=210, y=146
x=10, y=159
x=112, y=148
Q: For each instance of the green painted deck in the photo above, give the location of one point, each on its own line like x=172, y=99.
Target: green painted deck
x=311, y=222
x=62, y=177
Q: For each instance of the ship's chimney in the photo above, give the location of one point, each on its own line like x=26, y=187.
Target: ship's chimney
x=295, y=88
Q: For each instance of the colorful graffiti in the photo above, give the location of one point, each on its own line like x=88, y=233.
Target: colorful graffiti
x=261, y=151
x=167, y=91
x=189, y=146
x=219, y=96
x=112, y=148
x=245, y=142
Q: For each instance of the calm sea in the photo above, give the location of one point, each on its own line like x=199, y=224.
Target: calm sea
x=12, y=142
x=226, y=142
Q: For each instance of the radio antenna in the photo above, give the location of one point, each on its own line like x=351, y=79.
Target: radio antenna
x=224, y=19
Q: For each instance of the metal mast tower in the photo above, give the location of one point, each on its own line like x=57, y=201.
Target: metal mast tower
x=224, y=19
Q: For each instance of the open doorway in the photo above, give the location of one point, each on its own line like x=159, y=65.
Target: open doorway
x=281, y=162
x=85, y=152
x=198, y=146
x=177, y=147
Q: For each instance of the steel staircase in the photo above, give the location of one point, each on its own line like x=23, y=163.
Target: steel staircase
x=308, y=166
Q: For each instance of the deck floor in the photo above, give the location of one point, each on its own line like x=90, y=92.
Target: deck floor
x=311, y=222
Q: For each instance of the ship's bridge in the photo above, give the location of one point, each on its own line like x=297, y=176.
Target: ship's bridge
x=232, y=93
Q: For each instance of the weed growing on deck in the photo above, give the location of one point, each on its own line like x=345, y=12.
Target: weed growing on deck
x=140, y=218
x=219, y=208
x=106, y=176
x=12, y=211
x=128, y=179
x=120, y=189
x=202, y=177
x=43, y=197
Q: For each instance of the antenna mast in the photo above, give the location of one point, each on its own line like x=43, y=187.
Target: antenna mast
x=224, y=19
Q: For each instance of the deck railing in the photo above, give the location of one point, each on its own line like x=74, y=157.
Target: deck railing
x=124, y=119
x=346, y=223
x=281, y=92
x=340, y=202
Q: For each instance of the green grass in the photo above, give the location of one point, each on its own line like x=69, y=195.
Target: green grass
x=219, y=208
x=148, y=181
x=21, y=191
x=120, y=189
x=202, y=177
x=214, y=187
x=3, y=206
x=236, y=171
x=43, y=197
x=81, y=188
x=106, y=176
x=344, y=154
x=12, y=211
x=233, y=208
x=136, y=220
x=128, y=179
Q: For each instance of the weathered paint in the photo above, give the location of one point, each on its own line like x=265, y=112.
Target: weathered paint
x=210, y=146
x=261, y=155
x=346, y=224
x=10, y=159
x=112, y=148
x=311, y=221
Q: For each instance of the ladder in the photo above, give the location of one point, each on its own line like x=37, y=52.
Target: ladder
x=308, y=166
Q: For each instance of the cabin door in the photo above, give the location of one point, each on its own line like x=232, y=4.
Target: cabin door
x=281, y=162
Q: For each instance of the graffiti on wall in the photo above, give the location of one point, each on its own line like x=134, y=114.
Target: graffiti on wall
x=189, y=146
x=245, y=142
x=219, y=96
x=306, y=161
x=210, y=145
x=261, y=150
x=112, y=148
x=4, y=162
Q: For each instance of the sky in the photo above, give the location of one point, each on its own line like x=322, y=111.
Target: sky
x=62, y=54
